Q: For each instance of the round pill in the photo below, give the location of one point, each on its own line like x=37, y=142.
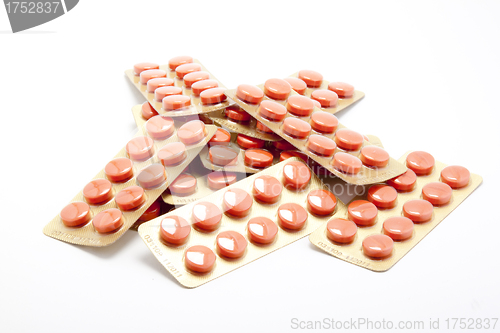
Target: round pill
x=292, y=216
x=160, y=127
x=172, y=153
x=374, y=156
x=220, y=138
x=118, y=170
x=183, y=185
x=200, y=86
x=179, y=60
x=420, y=162
x=220, y=179
x=347, y=163
x=300, y=106
x=147, y=75
x=383, y=196
x=258, y=158
x=192, y=132
x=140, y=148
x=341, y=231
x=147, y=111
x=222, y=155
x=152, y=176
x=75, y=214
x=247, y=142
x=272, y=110
x=311, y=78
x=263, y=128
x=321, y=202
x=231, y=244
x=321, y=145
x=163, y=92
x=296, y=128
x=283, y=145
x=343, y=90
x=261, y=230
x=250, y=94
x=174, y=230
x=159, y=82
x=324, y=122
x=98, y=191
x=236, y=114
x=193, y=77
x=297, y=84
x=130, y=198
x=327, y=98
x=237, y=202
x=455, y=176
x=362, y=212
x=213, y=96
x=185, y=69
x=144, y=66
x=418, y=210
x=108, y=220
x=348, y=139
x=437, y=193
x=152, y=212
x=206, y=216
x=296, y=175
x=398, y=228
x=199, y=259
x=404, y=182
x=175, y=102
x=267, y=189
x=286, y=155
x=378, y=246
x=277, y=88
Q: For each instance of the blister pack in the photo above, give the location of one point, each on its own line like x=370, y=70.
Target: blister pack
x=316, y=133
x=182, y=87
x=234, y=226
x=130, y=183
x=331, y=97
x=377, y=229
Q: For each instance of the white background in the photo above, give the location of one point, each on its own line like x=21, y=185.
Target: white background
x=430, y=72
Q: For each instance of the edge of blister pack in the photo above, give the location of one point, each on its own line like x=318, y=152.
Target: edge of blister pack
x=248, y=128
x=353, y=252
x=200, y=172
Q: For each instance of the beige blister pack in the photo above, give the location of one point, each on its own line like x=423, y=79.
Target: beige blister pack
x=182, y=87
x=234, y=226
x=318, y=134
x=331, y=96
x=130, y=183
x=380, y=227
